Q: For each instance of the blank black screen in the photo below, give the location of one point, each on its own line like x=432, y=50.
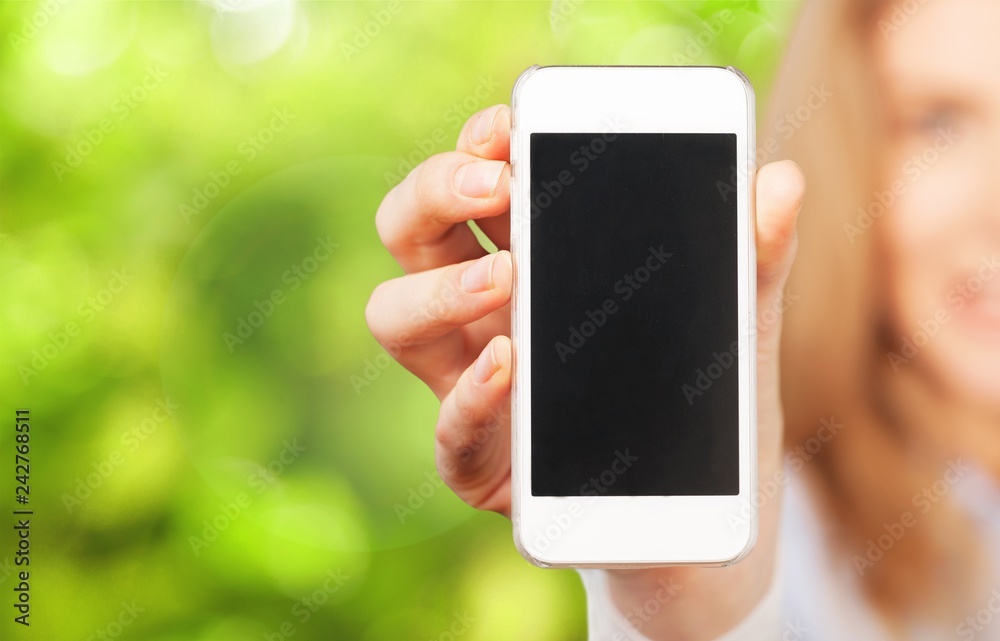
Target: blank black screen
x=634, y=385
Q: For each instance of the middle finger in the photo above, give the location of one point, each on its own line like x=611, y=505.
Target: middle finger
x=423, y=220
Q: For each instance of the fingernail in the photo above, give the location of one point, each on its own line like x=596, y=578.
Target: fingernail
x=482, y=129
x=478, y=276
x=479, y=179
x=486, y=365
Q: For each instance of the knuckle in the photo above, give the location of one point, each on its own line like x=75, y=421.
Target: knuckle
x=468, y=427
x=454, y=430
x=466, y=409
x=471, y=120
x=442, y=304
x=449, y=435
x=774, y=269
x=449, y=289
x=374, y=311
x=427, y=178
x=419, y=192
x=385, y=226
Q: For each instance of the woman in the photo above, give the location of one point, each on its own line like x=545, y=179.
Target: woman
x=880, y=431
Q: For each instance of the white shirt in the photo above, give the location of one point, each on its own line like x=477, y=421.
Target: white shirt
x=816, y=596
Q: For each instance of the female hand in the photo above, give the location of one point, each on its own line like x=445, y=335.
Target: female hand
x=448, y=321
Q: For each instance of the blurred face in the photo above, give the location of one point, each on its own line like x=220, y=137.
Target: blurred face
x=939, y=64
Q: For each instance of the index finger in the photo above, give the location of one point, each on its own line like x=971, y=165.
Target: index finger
x=487, y=134
x=423, y=221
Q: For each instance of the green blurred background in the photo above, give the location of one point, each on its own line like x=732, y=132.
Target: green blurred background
x=220, y=450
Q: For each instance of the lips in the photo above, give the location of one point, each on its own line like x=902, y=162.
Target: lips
x=981, y=312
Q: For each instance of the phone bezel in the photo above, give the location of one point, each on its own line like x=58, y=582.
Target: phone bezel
x=615, y=531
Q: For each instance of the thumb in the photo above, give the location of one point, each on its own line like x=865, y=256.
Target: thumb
x=473, y=431
x=780, y=188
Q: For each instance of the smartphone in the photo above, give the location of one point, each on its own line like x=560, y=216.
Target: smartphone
x=632, y=234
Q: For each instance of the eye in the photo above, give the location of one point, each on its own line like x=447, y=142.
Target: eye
x=935, y=119
x=922, y=124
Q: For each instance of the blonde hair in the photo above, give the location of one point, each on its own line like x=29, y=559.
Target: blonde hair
x=834, y=338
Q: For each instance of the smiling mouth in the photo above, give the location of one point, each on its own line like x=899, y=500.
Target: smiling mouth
x=976, y=300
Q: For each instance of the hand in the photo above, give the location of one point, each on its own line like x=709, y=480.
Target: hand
x=711, y=601
x=448, y=321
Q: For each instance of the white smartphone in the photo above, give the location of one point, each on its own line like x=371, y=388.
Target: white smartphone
x=632, y=234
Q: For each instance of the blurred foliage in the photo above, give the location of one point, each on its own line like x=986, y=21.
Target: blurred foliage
x=187, y=193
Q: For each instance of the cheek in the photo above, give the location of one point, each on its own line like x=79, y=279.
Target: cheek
x=932, y=233
x=937, y=192
x=923, y=233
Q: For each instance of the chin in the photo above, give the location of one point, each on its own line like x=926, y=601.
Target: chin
x=971, y=369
